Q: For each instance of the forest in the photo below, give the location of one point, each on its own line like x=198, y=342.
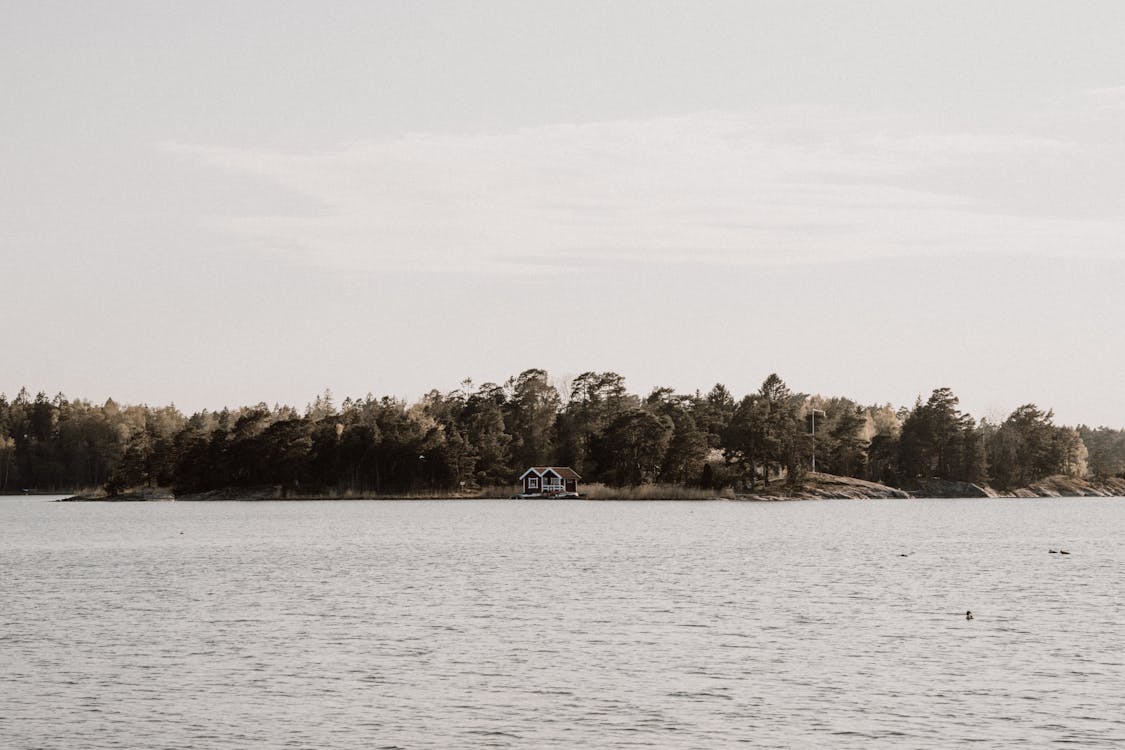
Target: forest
x=485, y=436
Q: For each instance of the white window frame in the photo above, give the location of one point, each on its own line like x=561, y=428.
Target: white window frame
x=533, y=483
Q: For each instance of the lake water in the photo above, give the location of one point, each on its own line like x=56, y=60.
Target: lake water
x=563, y=624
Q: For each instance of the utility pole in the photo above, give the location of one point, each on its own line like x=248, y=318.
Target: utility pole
x=814, y=411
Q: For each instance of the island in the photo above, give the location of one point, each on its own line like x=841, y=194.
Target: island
x=477, y=441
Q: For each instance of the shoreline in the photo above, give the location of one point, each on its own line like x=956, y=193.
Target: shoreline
x=817, y=487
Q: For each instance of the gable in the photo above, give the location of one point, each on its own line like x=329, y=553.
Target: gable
x=561, y=472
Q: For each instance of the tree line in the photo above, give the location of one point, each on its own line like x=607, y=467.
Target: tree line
x=487, y=435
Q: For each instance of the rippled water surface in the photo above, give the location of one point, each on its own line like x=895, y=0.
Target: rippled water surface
x=562, y=624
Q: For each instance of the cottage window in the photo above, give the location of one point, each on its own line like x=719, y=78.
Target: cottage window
x=533, y=482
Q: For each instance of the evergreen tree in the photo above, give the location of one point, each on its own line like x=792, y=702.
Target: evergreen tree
x=633, y=446
x=938, y=441
x=530, y=415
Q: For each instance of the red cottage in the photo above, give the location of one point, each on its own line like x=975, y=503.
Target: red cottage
x=550, y=481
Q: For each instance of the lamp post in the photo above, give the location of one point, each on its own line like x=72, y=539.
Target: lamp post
x=824, y=414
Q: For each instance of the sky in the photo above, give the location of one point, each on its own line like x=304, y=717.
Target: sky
x=214, y=204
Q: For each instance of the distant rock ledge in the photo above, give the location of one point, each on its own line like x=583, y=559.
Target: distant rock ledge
x=1054, y=486
x=829, y=487
x=138, y=496
x=1061, y=486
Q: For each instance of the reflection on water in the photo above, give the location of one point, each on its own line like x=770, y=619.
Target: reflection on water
x=561, y=624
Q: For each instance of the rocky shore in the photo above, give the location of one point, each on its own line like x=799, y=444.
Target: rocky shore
x=1060, y=486
x=1056, y=486
x=137, y=496
x=828, y=487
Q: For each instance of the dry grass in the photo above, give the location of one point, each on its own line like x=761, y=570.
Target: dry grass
x=597, y=491
x=96, y=491
x=593, y=491
x=497, y=491
x=482, y=493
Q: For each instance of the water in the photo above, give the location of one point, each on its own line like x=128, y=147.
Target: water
x=561, y=624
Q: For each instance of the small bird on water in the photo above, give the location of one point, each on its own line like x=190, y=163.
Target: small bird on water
x=968, y=614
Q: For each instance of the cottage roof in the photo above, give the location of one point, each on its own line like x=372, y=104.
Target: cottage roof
x=564, y=472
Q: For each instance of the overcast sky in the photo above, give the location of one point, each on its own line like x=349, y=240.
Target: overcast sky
x=221, y=203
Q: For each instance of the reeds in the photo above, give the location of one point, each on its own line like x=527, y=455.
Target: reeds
x=597, y=491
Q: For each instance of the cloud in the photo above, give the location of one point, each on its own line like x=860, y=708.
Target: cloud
x=1108, y=98
x=974, y=144
x=711, y=188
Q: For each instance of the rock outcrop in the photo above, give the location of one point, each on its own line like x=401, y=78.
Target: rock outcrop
x=828, y=487
x=137, y=496
x=949, y=488
x=1054, y=486
x=1064, y=486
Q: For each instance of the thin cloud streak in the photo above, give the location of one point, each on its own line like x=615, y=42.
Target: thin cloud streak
x=706, y=189
x=1108, y=98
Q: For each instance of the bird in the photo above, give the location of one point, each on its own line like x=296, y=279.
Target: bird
x=968, y=614
x=1063, y=552
x=1053, y=551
